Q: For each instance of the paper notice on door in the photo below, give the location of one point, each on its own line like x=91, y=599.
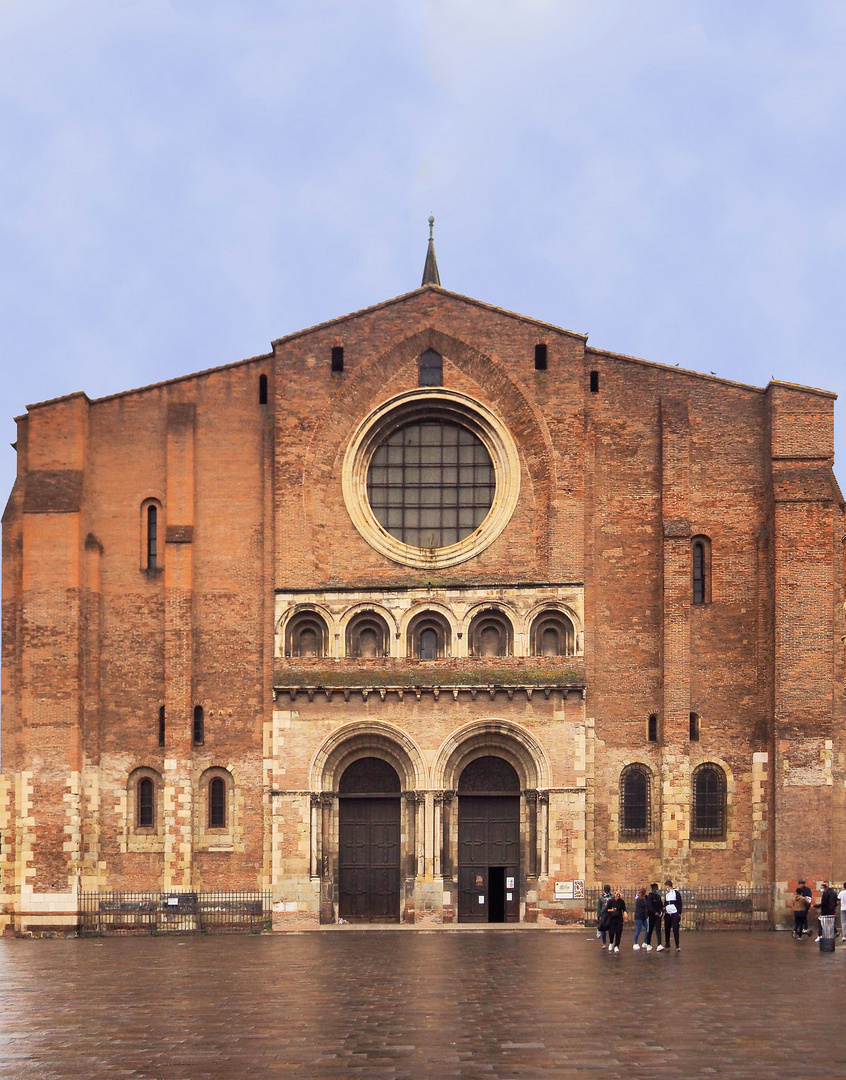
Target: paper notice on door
x=509, y=896
x=509, y=883
x=481, y=899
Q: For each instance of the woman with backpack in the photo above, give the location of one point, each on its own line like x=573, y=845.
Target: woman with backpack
x=655, y=908
x=641, y=918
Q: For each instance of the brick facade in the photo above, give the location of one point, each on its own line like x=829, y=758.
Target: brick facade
x=621, y=466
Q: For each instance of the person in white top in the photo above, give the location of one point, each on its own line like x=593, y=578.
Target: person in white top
x=841, y=896
x=672, y=913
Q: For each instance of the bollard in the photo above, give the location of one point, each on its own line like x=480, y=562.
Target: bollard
x=826, y=933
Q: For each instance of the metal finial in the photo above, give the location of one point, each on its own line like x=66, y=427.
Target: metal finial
x=430, y=270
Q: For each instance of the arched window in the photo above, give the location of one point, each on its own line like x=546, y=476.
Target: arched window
x=708, y=818
x=553, y=635
x=217, y=803
x=145, y=804
x=199, y=725
x=491, y=634
x=429, y=636
x=635, y=803
x=431, y=369
x=701, y=569
x=143, y=795
x=367, y=636
x=151, y=531
x=306, y=635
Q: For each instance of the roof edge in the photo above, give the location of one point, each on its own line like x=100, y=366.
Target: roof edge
x=711, y=378
x=415, y=292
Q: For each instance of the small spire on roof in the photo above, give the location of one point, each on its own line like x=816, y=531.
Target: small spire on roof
x=430, y=270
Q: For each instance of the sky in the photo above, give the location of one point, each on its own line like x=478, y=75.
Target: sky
x=181, y=181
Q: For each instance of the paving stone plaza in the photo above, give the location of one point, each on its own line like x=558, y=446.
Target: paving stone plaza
x=498, y=1004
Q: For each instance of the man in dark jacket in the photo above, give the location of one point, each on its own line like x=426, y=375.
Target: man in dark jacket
x=672, y=913
x=655, y=912
x=827, y=904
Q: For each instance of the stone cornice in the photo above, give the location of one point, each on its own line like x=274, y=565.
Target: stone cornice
x=445, y=690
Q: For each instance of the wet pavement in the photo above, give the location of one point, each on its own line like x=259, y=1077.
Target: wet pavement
x=499, y=1005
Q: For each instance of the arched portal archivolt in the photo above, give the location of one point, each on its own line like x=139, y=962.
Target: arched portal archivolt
x=367, y=738
x=500, y=738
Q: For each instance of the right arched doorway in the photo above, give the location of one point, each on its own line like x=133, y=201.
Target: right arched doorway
x=488, y=841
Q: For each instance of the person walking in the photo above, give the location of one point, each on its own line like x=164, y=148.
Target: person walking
x=801, y=903
x=616, y=914
x=827, y=904
x=641, y=919
x=601, y=909
x=806, y=892
x=672, y=913
x=841, y=897
x=655, y=908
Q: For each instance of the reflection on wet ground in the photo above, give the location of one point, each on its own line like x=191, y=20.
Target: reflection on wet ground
x=497, y=1004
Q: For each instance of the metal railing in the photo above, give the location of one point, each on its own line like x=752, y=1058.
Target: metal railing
x=174, y=912
x=707, y=907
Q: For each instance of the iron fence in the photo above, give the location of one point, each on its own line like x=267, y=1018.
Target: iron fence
x=708, y=907
x=174, y=912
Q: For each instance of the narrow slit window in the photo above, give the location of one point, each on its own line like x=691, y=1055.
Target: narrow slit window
x=262, y=389
x=162, y=726
x=337, y=358
x=199, y=725
x=540, y=356
x=652, y=728
x=152, y=537
x=594, y=382
x=699, y=572
x=217, y=803
x=694, y=727
x=431, y=369
x=146, y=803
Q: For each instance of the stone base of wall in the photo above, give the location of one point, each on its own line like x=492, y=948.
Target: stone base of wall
x=295, y=920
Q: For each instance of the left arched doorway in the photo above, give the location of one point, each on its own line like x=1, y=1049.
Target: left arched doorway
x=369, y=842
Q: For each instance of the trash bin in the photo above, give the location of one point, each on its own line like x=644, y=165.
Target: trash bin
x=826, y=933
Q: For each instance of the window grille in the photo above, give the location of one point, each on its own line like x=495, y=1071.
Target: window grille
x=431, y=483
x=431, y=369
x=699, y=573
x=217, y=803
x=652, y=728
x=152, y=537
x=146, y=817
x=709, y=803
x=635, y=809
